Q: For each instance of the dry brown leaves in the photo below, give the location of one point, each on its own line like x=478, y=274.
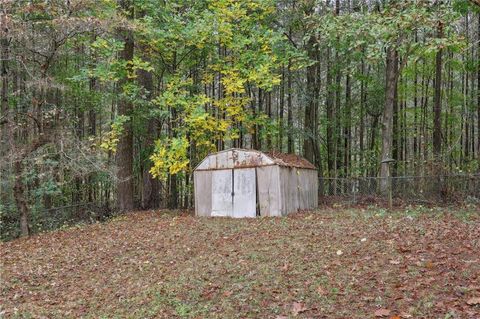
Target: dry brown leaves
x=158, y=265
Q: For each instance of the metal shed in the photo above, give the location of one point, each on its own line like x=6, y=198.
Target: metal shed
x=249, y=183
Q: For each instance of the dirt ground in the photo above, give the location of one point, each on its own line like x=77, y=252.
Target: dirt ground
x=333, y=263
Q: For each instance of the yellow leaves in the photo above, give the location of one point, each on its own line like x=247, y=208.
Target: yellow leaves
x=170, y=156
x=112, y=137
x=264, y=76
x=202, y=127
x=233, y=82
x=207, y=77
x=223, y=125
x=229, y=10
x=266, y=48
x=159, y=162
x=179, y=166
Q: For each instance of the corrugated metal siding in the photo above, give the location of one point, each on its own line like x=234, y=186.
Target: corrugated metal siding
x=222, y=201
x=306, y=188
x=281, y=189
x=245, y=193
x=203, y=192
x=289, y=190
x=314, y=178
x=283, y=177
x=269, y=191
x=298, y=189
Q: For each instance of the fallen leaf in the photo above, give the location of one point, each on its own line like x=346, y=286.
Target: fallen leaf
x=298, y=308
x=382, y=313
x=395, y=317
x=429, y=265
x=321, y=291
x=473, y=301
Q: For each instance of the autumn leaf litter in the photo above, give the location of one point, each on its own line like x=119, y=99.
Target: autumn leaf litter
x=347, y=263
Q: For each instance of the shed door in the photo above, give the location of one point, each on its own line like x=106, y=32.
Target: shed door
x=222, y=186
x=244, y=193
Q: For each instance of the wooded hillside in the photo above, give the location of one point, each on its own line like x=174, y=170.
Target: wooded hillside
x=109, y=105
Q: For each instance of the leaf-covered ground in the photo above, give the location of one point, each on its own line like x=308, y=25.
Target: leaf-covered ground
x=333, y=263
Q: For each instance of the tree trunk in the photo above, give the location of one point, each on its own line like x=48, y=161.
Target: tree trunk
x=309, y=121
x=5, y=117
x=348, y=122
x=478, y=92
x=387, y=132
x=124, y=156
x=395, y=135
x=281, y=123
x=4, y=42
x=150, y=190
x=20, y=200
x=150, y=186
x=330, y=116
x=269, y=114
x=337, y=151
x=258, y=135
x=437, y=101
x=363, y=102
x=290, y=142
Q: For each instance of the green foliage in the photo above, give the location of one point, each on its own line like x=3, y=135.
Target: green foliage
x=369, y=33
x=111, y=138
x=240, y=28
x=204, y=73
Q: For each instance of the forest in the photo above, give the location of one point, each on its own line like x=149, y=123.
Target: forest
x=108, y=106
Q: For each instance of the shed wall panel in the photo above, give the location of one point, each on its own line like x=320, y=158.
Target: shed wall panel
x=315, y=190
x=283, y=176
x=310, y=181
x=302, y=186
x=269, y=191
x=312, y=176
x=295, y=180
x=245, y=193
x=290, y=189
x=222, y=201
x=203, y=193
x=307, y=188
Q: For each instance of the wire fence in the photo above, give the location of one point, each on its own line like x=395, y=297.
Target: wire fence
x=463, y=188
x=42, y=219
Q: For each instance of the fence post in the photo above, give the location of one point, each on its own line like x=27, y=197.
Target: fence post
x=355, y=187
x=388, y=161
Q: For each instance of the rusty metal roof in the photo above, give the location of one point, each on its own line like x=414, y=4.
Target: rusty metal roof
x=241, y=158
x=293, y=160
